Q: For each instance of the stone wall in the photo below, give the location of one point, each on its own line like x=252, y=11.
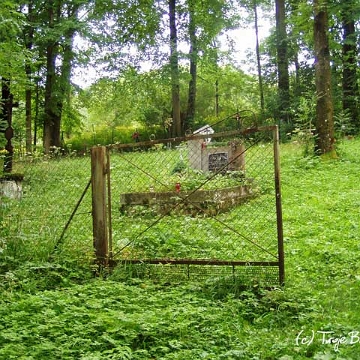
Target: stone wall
x=200, y=201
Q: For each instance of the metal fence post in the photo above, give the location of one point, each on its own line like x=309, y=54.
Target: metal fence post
x=99, y=203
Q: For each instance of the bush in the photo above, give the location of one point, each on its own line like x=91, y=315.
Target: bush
x=106, y=136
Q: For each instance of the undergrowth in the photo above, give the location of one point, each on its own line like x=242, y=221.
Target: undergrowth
x=55, y=308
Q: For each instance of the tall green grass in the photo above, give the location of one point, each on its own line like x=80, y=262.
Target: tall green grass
x=45, y=313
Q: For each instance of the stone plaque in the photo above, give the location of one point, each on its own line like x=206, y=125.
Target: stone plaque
x=218, y=161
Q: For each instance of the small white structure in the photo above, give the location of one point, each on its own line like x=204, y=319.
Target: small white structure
x=205, y=130
x=215, y=158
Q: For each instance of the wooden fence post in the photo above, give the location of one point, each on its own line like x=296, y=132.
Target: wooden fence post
x=279, y=206
x=99, y=205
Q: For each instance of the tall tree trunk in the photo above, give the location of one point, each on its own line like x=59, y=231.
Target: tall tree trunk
x=65, y=76
x=6, y=116
x=282, y=62
x=57, y=86
x=37, y=110
x=261, y=89
x=174, y=64
x=350, y=78
x=324, y=103
x=50, y=116
x=28, y=113
x=29, y=36
x=193, y=55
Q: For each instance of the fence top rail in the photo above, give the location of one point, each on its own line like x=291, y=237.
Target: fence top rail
x=193, y=137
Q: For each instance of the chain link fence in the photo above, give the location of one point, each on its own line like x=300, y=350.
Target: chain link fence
x=44, y=207
x=206, y=205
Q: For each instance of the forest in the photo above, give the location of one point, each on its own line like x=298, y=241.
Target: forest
x=164, y=68
x=268, y=272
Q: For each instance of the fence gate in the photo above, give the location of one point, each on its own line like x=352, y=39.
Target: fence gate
x=206, y=204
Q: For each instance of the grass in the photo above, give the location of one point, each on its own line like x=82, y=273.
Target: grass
x=199, y=236
x=56, y=310
x=51, y=190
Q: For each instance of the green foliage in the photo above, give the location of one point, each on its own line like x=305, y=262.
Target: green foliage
x=343, y=123
x=102, y=135
x=126, y=39
x=305, y=116
x=139, y=99
x=55, y=309
x=72, y=118
x=12, y=53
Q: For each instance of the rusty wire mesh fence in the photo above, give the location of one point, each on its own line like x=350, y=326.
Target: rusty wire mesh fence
x=208, y=205
x=49, y=209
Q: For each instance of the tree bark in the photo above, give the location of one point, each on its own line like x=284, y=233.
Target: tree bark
x=324, y=143
x=193, y=55
x=29, y=36
x=65, y=74
x=28, y=114
x=50, y=117
x=282, y=62
x=6, y=116
x=57, y=86
x=37, y=110
x=350, y=79
x=174, y=65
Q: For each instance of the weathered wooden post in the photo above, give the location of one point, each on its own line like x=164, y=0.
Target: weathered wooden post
x=279, y=206
x=99, y=203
